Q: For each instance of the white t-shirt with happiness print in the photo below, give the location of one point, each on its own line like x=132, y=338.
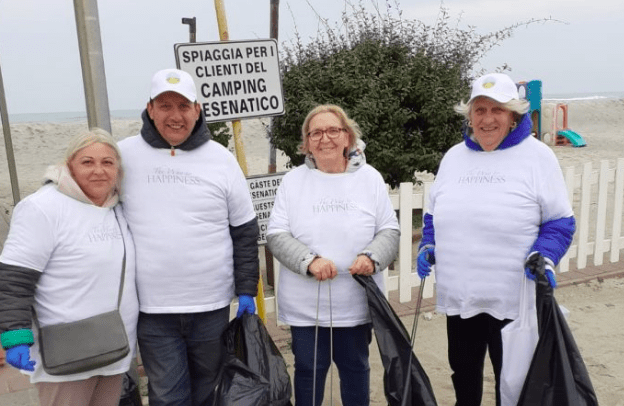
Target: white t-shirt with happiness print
x=487, y=209
x=78, y=249
x=180, y=209
x=336, y=216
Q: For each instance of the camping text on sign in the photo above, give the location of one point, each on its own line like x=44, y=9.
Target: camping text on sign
x=263, y=189
x=234, y=79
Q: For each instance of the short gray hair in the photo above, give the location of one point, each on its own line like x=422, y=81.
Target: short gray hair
x=518, y=107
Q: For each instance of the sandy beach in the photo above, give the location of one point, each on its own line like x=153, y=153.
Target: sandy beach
x=596, y=309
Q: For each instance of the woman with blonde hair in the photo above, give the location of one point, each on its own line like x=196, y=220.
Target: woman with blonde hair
x=64, y=257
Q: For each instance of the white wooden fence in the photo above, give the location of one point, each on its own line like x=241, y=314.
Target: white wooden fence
x=596, y=197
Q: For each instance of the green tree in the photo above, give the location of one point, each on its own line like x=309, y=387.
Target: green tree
x=399, y=80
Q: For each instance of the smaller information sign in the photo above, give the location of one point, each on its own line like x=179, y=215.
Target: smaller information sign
x=263, y=189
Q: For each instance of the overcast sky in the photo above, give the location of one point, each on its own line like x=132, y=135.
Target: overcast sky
x=40, y=62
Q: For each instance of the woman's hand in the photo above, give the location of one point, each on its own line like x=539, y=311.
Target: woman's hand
x=322, y=268
x=362, y=265
x=19, y=357
x=424, y=261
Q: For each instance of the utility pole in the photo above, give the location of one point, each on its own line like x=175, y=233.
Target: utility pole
x=92, y=61
x=8, y=143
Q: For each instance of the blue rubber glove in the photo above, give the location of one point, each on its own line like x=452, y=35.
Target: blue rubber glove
x=19, y=357
x=537, y=265
x=424, y=261
x=245, y=305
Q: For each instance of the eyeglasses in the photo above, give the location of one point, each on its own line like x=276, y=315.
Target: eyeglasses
x=332, y=132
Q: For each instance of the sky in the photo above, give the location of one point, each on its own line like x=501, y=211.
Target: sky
x=578, y=51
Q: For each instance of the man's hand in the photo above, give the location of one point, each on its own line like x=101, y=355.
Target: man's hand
x=322, y=268
x=19, y=357
x=245, y=305
x=424, y=262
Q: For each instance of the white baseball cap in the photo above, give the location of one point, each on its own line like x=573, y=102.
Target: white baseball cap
x=173, y=80
x=497, y=86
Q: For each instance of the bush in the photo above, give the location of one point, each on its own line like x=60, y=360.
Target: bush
x=399, y=80
x=220, y=133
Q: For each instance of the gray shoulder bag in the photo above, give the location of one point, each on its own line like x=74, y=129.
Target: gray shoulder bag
x=87, y=344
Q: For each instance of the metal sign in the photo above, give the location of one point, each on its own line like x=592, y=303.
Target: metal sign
x=263, y=189
x=234, y=79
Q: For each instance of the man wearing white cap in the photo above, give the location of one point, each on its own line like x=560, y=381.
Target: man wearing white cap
x=498, y=203
x=195, y=232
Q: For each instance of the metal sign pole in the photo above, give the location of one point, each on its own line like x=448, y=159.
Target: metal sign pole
x=192, y=23
x=272, y=152
x=274, y=33
x=8, y=144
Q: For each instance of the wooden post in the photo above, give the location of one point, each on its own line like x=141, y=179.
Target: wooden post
x=238, y=145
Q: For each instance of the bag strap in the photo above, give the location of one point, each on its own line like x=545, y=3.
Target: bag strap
x=524, y=290
x=123, y=261
x=526, y=296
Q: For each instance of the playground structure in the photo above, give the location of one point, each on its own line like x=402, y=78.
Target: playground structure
x=532, y=92
x=562, y=135
x=559, y=135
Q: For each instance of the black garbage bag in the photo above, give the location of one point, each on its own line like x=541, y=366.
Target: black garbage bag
x=239, y=385
x=557, y=375
x=130, y=395
x=254, y=372
x=395, y=348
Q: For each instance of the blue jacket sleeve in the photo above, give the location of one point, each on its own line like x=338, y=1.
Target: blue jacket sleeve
x=554, y=238
x=428, y=233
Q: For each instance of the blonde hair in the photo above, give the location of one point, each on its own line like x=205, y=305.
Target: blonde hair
x=94, y=136
x=353, y=129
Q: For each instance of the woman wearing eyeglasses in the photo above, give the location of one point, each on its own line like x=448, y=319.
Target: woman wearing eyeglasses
x=332, y=218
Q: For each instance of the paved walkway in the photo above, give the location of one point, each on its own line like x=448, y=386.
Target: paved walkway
x=16, y=390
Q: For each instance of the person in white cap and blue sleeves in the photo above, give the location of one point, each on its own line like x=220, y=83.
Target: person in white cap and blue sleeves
x=498, y=203
x=195, y=232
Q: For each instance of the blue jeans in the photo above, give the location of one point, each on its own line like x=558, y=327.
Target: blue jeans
x=182, y=354
x=350, y=356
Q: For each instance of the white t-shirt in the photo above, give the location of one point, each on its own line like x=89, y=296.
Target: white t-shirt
x=79, y=250
x=487, y=208
x=336, y=216
x=179, y=209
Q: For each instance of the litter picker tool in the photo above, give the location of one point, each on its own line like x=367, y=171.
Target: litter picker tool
x=331, y=346
x=409, y=362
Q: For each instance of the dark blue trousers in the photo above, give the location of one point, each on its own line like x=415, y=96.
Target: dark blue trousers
x=182, y=354
x=350, y=355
